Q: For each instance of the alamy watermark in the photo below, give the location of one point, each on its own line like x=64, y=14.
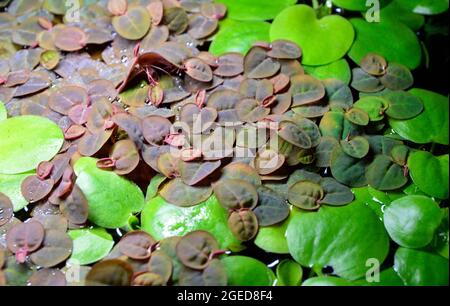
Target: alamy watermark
x=373, y=271
x=373, y=11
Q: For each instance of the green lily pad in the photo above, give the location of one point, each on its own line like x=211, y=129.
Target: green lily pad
x=339, y=69
x=322, y=41
x=356, y=5
x=238, y=36
x=89, y=245
x=326, y=281
x=396, y=11
x=289, y=273
x=249, y=10
x=111, y=198
x=389, y=38
x=425, y=7
x=341, y=237
x=419, y=268
x=430, y=173
x=3, y=113
x=431, y=125
x=25, y=141
x=412, y=221
x=10, y=185
x=161, y=220
x=247, y=271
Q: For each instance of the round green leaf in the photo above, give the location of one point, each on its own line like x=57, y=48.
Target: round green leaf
x=341, y=237
x=419, y=268
x=431, y=125
x=425, y=7
x=25, y=141
x=250, y=10
x=10, y=185
x=412, y=221
x=111, y=198
x=90, y=245
x=430, y=173
x=339, y=69
x=247, y=271
x=322, y=41
x=161, y=220
x=388, y=38
x=289, y=273
x=238, y=36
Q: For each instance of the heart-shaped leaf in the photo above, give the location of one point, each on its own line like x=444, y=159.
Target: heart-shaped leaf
x=136, y=245
x=348, y=170
x=194, y=249
x=429, y=173
x=243, y=224
x=326, y=40
x=271, y=209
x=134, y=24
x=305, y=195
x=397, y=77
x=372, y=38
x=56, y=248
x=383, y=174
x=235, y=194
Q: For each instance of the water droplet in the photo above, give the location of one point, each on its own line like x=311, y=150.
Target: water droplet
x=124, y=58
